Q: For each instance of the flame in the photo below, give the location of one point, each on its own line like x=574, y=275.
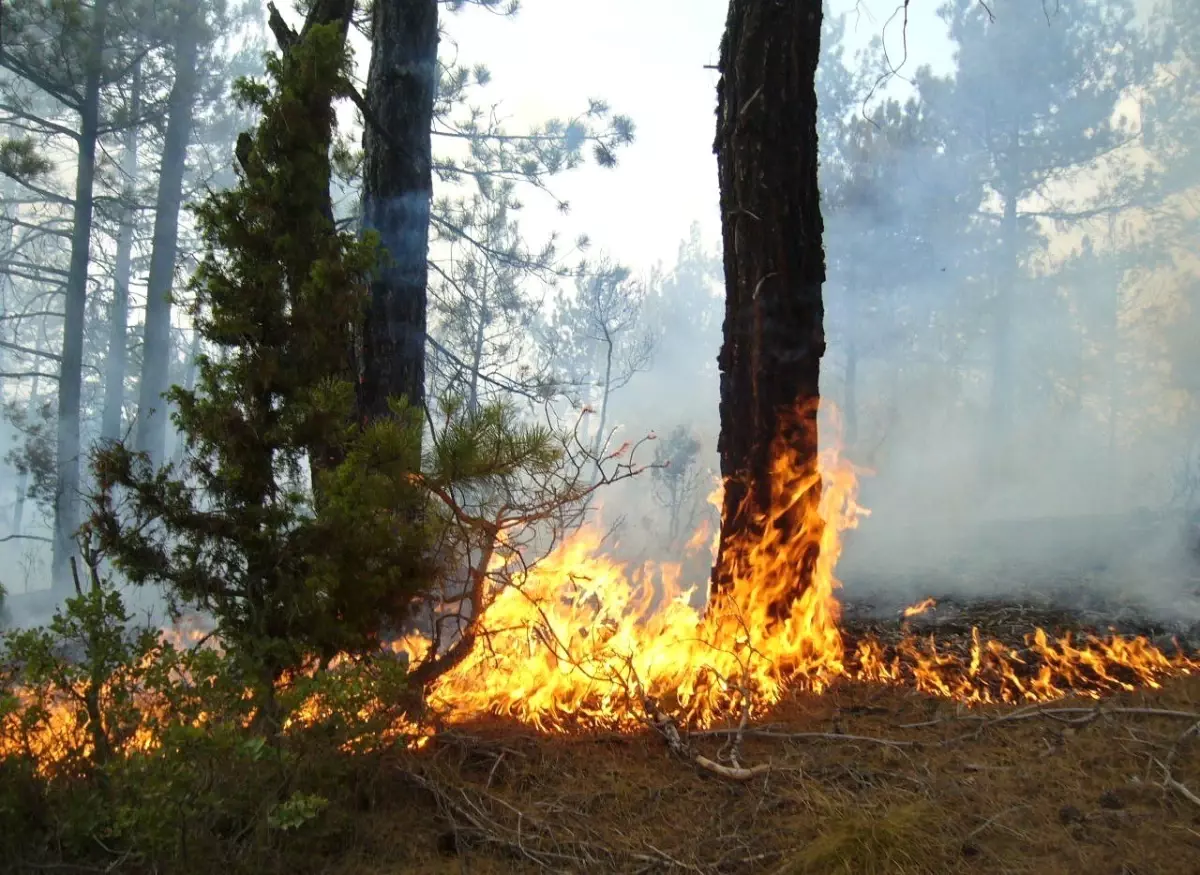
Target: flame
x=581, y=640
x=920, y=607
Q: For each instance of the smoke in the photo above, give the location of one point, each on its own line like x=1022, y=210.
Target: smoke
x=1004, y=350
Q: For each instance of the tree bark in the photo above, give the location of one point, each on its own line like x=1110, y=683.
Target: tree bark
x=114, y=370
x=397, y=195
x=774, y=337
x=70, y=381
x=156, y=351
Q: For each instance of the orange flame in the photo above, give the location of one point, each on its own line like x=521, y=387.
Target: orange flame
x=579, y=639
x=920, y=607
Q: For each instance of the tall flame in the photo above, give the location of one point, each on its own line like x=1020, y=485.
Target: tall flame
x=581, y=639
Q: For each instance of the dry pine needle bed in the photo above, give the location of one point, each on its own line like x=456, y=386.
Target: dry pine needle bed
x=861, y=780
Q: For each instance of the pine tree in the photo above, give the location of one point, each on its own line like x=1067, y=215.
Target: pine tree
x=1034, y=100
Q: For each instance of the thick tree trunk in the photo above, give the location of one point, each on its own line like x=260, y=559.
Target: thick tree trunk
x=766, y=149
x=397, y=194
x=156, y=351
x=114, y=370
x=70, y=381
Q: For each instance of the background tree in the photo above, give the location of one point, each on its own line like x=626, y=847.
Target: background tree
x=597, y=339
x=281, y=581
x=1035, y=96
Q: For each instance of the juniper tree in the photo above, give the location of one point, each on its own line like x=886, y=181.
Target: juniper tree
x=292, y=571
x=232, y=530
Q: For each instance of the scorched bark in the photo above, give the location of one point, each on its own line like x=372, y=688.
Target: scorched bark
x=766, y=146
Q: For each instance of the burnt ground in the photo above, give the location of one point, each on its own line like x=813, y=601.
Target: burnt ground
x=1076, y=609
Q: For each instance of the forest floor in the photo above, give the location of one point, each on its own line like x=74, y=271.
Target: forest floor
x=862, y=779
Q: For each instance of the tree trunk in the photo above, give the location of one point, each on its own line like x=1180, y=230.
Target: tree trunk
x=156, y=350
x=70, y=381
x=605, y=390
x=477, y=343
x=397, y=194
x=35, y=399
x=191, y=370
x=114, y=371
x=774, y=337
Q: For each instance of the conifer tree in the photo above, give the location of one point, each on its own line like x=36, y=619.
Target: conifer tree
x=232, y=530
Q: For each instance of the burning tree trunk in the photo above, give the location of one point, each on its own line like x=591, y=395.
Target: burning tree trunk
x=766, y=147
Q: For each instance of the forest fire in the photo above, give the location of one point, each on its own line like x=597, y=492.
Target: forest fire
x=579, y=641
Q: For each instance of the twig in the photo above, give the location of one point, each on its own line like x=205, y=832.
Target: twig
x=670, y=732
x=1169, y=780
x=1039, y=711
x=995, y=817
x=788, y=736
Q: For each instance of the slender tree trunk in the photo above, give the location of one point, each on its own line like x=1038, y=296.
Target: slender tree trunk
x=156, y=348
x=189, y=383
x=114, y=371
x=605, y=391
x=397, y=194
x=35, y=398
x=1114, y=367
x=774, y=337
x=477, y=344
x=70, y=381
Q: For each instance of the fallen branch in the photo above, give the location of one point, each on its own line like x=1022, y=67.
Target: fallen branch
x=791, y=736
x=666, y=727
x=470, y=816
x=1169, y=780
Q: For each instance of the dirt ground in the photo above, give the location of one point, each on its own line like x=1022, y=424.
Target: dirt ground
x=861, y=779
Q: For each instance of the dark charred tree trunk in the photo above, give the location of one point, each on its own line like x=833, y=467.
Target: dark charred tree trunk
x=397, y=195
x=156, y=350
x=770, y=360
x=70, y=381
x=114, y=370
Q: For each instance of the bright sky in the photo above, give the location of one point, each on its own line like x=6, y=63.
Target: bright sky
x=647, y=59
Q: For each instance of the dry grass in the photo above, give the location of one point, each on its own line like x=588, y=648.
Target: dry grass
x=1002, y=790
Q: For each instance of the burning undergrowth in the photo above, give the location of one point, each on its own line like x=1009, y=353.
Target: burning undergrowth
x=586, y=652
x=581, y=642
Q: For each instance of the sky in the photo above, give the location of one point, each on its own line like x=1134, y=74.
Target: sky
x=648, y=59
